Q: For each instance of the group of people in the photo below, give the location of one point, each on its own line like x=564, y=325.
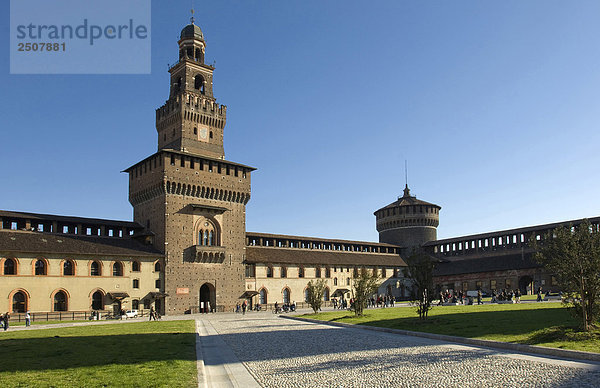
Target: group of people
x=451, y=296
x=381, y=301
x=286, y=307
x=154, y=315
x=506, y=295
x=4, y=318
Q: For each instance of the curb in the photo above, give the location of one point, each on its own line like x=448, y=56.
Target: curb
x=541, y=350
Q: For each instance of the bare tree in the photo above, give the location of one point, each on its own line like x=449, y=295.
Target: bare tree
x=365, y=286
x=573, y=255
x=315, y=294
x=420, y=271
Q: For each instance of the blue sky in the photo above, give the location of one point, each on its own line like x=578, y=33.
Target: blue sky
x=494, y=104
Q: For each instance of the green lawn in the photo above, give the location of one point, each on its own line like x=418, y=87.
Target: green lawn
x=545, y=324
x=144, y=354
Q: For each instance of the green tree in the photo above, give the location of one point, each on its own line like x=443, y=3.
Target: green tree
x=365, y=285
x=420, y=271
x=573, y=255
x=315, y=294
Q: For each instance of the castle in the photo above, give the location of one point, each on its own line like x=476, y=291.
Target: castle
x=187, y=248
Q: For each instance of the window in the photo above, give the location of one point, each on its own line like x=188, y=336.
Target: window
x=306, y=295
x=207, y=234
x=117, y=269
x=135, y=266
x=40, y=267
x=383, y=273
x=19, y=302
x=492, y=284
x=326, y=294
x=283, y=271
x=60, y=301
x=286, y=295
x=250, y=270
x=478, y=285
x=300, y=272
x=508, y=283
x=269, y=271
x=95, y=269
x=157, y=266
x=355, y=272
x=263, y=296
x=199, y=83
x=335, y=281
x=136, y=283
x=172, y=160
x=68, y=268
x=347, y=281
x=135, y=304
x=98, y=301
x=318, y=272
x=327, y=272
x=157, y=283
x=10, y=267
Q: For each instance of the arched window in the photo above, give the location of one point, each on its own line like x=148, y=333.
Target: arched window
x=135, y=266
x=117, y=269
x=326, y=294
x=306, y=295
x=283, y=271
x=263, y=296
x=40, y=267
x=68, y=268
x=335, y=281
x=269, y=271
x=157, y=266
x=300, y=272
x=98, y=301
x=136, y=283
x=199, y=83
x=286, y=295
x=318, y=272
x=95, y=269
x=347, y=281
x=60, y=301
x=135, y=304
x=207, y=233
x=10, y=267
x=19, y=302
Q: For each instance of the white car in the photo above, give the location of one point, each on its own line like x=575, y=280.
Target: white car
x=131, y=314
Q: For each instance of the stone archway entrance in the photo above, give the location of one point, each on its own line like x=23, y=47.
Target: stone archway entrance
x=526, y=285
x=208, y=301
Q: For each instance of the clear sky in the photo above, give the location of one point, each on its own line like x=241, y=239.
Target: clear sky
x=495, y=105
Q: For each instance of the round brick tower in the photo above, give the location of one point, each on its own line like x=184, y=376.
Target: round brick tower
x=408, y=222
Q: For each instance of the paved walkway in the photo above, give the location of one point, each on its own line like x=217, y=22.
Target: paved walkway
x=261, y=349
x=285, y=353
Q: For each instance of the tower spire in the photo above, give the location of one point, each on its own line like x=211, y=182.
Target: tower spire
x=192, y=11
x=406, y=189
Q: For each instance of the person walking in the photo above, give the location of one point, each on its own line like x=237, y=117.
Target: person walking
x=152, y=315
x=479, y=297
x=27, y=319
x=6, y=318
x=244, y=306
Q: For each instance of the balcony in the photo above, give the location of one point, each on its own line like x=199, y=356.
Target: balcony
x=204, y=254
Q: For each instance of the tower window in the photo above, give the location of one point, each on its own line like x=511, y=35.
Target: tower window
x=210, y=135
x=195, y=131
x=199, y=83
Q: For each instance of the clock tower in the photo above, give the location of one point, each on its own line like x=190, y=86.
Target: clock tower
x=188, y=196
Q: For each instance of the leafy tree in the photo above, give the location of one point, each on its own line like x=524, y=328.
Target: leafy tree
x=315, y=294
x=365, y=285
x=420, y=271
x=573, y=255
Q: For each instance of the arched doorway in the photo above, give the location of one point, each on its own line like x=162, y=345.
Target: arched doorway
x=19, y=302
x=60, y=301
x=207, y=298
x=98, y=301
x=286, y=296
x=526, y=285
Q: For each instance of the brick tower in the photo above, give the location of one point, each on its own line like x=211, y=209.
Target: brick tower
x=408, y=222
x=189, y=196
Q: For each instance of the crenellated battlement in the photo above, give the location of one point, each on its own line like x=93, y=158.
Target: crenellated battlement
x=196, y=103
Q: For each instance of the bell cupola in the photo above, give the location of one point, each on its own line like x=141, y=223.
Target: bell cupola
x=191, y=120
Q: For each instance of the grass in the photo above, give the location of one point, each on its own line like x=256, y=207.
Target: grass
x=547, y=324
x=144, y=354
